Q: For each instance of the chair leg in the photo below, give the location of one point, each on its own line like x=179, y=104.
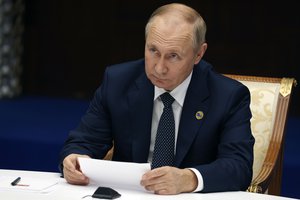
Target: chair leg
x=275, y=184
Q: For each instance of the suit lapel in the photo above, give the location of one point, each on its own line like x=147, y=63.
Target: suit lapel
x=140, y=99
x=196, y=100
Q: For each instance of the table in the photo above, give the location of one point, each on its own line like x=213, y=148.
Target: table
x=65, y=191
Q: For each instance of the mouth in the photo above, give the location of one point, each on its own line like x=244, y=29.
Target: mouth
x=161, y=83
x=159, y=79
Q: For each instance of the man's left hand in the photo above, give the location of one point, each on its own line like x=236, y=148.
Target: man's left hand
x=169, y=180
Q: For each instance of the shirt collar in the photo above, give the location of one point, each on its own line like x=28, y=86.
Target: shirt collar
x=178, y=93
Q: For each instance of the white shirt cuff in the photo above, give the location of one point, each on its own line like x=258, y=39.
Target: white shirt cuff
x=200, y=180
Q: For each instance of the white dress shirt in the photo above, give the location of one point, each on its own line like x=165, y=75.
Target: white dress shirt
x=179, y=95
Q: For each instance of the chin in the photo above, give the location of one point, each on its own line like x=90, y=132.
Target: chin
x=165, y=88
x=159, y=84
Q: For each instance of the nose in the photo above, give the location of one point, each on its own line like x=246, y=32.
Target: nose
x=160, y=67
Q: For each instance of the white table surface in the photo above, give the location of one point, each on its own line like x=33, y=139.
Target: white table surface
x=65, y=191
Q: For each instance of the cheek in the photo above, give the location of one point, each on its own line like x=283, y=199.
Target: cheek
x=149, y=59
x=149, y=63
x=148, y=66
x=181, y=74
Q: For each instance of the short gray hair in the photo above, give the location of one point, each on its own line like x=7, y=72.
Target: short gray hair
x=190, y=15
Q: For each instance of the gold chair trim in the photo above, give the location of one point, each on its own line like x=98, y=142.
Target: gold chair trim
x=286, y=85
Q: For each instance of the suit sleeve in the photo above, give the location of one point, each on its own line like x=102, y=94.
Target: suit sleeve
x=93, y=135
x=232, y=170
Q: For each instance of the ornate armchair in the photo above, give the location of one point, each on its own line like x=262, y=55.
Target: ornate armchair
x=270, y=98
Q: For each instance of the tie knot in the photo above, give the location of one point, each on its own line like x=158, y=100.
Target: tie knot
x=167, y=99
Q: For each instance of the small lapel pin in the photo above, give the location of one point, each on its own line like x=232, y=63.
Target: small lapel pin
x=199, y=115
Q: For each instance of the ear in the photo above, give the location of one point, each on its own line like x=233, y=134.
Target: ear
x=200, y=53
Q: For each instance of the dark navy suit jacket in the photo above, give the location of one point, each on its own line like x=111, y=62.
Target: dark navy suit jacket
x=220, y=145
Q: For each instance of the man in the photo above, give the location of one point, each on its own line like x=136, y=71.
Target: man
x=214, y=144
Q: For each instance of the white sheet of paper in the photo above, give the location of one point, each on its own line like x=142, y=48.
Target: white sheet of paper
x=112, y=173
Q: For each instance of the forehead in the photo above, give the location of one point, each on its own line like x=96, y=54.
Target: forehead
x=169, y=30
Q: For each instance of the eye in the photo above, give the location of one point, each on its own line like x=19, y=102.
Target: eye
x=152, y=49
x=173, y=56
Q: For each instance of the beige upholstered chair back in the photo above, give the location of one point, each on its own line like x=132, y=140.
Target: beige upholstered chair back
x=269, y=103
x=263, y=107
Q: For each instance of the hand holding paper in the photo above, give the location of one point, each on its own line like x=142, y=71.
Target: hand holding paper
x=71, y=170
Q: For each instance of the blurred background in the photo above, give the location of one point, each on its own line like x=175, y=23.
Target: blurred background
x=53, y=54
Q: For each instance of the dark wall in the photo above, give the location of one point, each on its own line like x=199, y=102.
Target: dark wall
x=68, y=43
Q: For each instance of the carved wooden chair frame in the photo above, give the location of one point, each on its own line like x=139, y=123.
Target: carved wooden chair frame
x=268, y=179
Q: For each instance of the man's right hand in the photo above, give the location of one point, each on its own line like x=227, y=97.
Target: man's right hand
x=72, y=172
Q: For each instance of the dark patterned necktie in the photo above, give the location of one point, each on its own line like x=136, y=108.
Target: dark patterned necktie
x=163, y=154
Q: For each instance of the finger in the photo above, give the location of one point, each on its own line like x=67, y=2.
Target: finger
x=154, y=183
x=155, y=187
x=161, y=188
x=76, y=177
x=162, y=181
x=155, y=173
x=78, y=182
x=162, y=192
x=69, y=166
x=70, y=162
x=72, y=171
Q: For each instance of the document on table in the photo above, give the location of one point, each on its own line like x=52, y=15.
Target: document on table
x=27, y=184
x=114, y=174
